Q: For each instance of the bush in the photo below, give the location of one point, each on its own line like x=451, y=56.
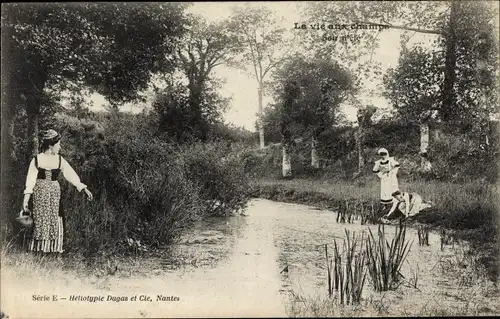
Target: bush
x=145, y=205
x=219, y=175
x=146, y=191
x=459, y=157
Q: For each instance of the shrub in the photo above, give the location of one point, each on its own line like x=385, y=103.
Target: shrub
x=146, y=191
x=141, y=193
x=219, y=175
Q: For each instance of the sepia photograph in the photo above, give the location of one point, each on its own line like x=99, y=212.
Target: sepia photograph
x=250, y=159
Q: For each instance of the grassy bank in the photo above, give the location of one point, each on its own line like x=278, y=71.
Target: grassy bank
x=467, y=211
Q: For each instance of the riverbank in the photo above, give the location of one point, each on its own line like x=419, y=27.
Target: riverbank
x=268, y=262
x=467, y=212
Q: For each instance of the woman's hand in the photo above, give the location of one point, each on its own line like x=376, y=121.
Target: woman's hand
x=25, y=202
x=88, y=193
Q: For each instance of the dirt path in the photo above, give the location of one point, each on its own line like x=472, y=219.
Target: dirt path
x=246, y=284
x=237, y=273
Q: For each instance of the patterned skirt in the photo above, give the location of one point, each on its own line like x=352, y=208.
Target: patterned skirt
x=48, y=228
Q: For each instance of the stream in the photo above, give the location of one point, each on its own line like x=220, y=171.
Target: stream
x=253, y=265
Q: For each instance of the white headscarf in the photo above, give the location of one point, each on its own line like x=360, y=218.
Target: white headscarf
x=383, y=150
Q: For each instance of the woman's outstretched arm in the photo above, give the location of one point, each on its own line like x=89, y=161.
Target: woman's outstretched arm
x=71, y=176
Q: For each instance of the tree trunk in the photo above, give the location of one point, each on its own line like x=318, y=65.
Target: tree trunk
x=287, y=161
x=436, y=134
x=424, y=146
x=261, y=126
x=424, y=137
x=197, y=124
x=33, y=98
x=450, y=66
x=360, y=145
x=364, y=116
x=314, y=153
x=32, y=130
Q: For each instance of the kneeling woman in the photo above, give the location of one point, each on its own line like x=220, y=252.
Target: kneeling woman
x=404, y=205
x=42, y=185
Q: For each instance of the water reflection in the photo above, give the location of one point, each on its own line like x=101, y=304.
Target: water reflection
x=209, y=243
x=278, y=250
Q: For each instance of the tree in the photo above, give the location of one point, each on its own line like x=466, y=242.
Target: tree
x=451, y=22
x=337, y=31
x=364, y=116
x=261, y=37
x=288, y=109
x=323, y=86
x=414, y=89
x=172, y=105
x=204, y=47
x=270, y=120
x=111, y=47
x=476, y=54
x=420, y=89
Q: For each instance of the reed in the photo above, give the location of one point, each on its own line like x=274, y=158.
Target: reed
x=346, y=279
x=386, y=259
x=414, y=279
x=444, y=238
x=364, y=214
x=342, y=212
x=423, y=235
x=348, y=211
x=369, y=215
x=359, y=210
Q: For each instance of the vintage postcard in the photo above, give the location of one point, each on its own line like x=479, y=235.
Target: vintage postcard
x=250, y=159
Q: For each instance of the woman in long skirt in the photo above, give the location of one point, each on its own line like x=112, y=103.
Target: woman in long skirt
x=43, y=187
x=386, y=169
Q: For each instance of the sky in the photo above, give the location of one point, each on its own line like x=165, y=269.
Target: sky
x=242, y=89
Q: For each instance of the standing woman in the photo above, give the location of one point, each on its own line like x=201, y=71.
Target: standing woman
x=43, y=187
x=386, y=169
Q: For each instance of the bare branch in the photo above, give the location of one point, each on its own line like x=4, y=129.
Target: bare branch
x=253, y=55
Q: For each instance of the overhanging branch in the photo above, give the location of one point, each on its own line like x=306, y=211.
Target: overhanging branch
x=399, y=27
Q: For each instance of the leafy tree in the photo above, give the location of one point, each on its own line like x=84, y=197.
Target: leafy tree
x=270, y=120
x=173, y=120
x=417, y=86
x=111, y=47
x=339, y=29
x=175, y=115
x=204, y=47
x=260, y=35
x=476, y=53
x=453, y=22
x=289, y=97
x=323, y=86
x=414, y=89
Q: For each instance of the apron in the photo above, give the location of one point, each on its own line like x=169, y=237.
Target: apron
x=388, y=182
x=47, y=212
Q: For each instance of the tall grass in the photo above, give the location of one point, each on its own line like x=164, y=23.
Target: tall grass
x=346, y=279
x=386, y=259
